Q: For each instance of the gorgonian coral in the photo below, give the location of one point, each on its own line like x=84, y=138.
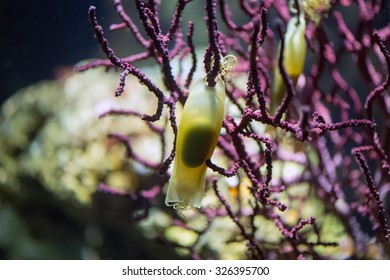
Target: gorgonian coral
x=310, y=165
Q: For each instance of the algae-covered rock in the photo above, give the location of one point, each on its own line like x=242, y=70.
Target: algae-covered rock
x=51, y=131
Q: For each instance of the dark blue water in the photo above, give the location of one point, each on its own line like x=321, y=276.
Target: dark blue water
x=38, y=37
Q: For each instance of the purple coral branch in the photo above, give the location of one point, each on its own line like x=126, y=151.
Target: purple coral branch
x=115, y=112
x=236, y=220
x=246, y=7
x=130, y=153
x=228, y=173
x=350, y=42
x=128, y=69
x=190, y=42
x=107, y=63
x=159, y=43
x=212, y=56
x=318, y=122
x=340, y=82
x=103, y=41
x=256, y=42
x=268, y=153
x=226, y=14
x=293, y=233
x=177, y=16
x=375, y=194
x=172, y=118
x=286, y=80
x=129, y=24
x=378, y=90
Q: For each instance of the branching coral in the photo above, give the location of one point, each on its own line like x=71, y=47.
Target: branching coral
x=296, y=167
